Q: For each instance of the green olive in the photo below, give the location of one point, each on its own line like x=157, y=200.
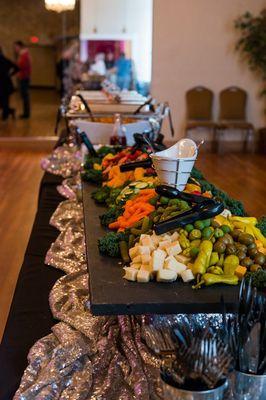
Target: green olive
x=245, y=238
x=189, y=227
x=260, y=259
x=218, y=233
x=241, y=247
x=207, y=232
x=252, y=246
x=215, y=224
x=219, y=247
x=230, y=249
x=194, y=251
x=207, y=222
x=235, y=233
x=240, y=254
x=252, y=253
x=246, y=262
x=195, y=234
x=255, y=267
x=195, y=243
x=225, y=228
x=199, y=225
x=227, y=239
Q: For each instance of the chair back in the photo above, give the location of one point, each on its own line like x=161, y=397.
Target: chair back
x=199, y=103
x=233, y=102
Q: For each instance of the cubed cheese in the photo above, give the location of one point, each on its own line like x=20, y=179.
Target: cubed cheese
x=174, y=236
x=166, y=275
x=143, y=276
x=133, y=252
x=145, y=258
x=146, y=240
x=135, y=265
x=164, y=244
x=187, y=275
x=137, y=259
x=155, y=239
x=143, y=250
x=182, y=259
x=157, y=260
x=146, y=267
x=130, y=274
x=166, y=237
x=174, y=249
x=174, y=265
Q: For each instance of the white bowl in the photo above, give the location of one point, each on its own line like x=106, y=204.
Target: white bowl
x=173, y=166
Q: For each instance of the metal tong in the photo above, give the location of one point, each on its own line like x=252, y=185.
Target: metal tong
x=87, y=142
x=203, y=208
x=148, y=102
x=87, y=108
x=141, y=143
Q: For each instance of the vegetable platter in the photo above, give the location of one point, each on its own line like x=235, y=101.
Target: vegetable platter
x=134, y=271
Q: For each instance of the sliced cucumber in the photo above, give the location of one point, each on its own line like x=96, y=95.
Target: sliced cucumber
x=141, y=185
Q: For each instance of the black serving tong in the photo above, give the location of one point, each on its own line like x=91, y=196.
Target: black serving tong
x=143, y=142
x=87, y=108
x=148, y=102
x=84, y=138
x=203, y=208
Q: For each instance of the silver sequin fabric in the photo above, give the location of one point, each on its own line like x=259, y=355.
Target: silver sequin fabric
x=87, y=357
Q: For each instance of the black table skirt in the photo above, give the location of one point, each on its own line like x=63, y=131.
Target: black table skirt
x=30, y=317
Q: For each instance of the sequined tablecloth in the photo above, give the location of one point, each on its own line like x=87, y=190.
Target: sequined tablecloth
x=86, y=357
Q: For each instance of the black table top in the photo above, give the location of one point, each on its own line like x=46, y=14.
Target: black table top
x=113, y=295
x=30, y=317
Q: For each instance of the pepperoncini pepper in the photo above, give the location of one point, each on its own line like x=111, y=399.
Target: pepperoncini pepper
x=215, y=270
x=209, y=279
x=230, y=264
x=203, y=259
x=214, y=258
x=184, y=242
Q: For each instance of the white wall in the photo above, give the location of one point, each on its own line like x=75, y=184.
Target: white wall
x=121, y=20
x=194, y=43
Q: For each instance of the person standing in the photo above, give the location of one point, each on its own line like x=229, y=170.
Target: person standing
x=7, y=69
x=24, y=65
x=124, y=72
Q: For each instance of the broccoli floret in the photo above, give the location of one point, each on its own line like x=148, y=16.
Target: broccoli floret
x=196, y=174
x=101, y=195
x=89, y=161
x=111, y=215
x=109, y=244
x=113, y=195
x=258, y=278
x=93, y=175
x=262, y=225
x=108, y=149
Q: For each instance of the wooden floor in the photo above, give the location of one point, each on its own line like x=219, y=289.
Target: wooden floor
x=20, y=175
x=242, y=176
x=42, y=122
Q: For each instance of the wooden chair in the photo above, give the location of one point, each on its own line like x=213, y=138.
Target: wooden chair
x=232, y=115
x=199, y=102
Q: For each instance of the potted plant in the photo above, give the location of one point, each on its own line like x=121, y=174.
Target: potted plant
x=252, y=45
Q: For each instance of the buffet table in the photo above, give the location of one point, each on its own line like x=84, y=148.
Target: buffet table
x=81, y=352
x=30, y=317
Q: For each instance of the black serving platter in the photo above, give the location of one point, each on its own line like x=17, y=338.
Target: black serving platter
x=110, y=294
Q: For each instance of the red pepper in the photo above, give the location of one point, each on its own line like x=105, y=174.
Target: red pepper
x=196, y=192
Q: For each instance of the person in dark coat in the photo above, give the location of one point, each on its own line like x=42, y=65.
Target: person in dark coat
x=24, y=74
x=7, y=69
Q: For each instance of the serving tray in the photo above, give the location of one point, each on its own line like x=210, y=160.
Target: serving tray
x=110, y=294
